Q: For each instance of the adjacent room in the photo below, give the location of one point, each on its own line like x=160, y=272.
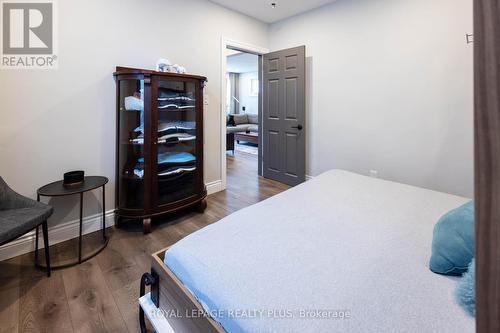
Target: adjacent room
x=242, y=104
x=242, y=112
x=268, y=166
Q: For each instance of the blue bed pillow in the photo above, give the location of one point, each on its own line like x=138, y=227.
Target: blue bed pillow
x=453, y=241
x=465, y=292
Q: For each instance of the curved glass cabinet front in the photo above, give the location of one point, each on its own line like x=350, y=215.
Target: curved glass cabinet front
x=176, y=162
x=131, y=166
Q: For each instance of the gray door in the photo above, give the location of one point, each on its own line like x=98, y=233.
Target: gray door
x=283, y=116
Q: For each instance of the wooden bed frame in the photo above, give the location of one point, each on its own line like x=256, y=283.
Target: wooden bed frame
x=185, y=313
x=170, y=295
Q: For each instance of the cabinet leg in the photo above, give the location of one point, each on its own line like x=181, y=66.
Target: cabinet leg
x=202, y=205
x=118, y=221
x=146, y=226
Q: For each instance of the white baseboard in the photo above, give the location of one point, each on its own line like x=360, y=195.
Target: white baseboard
x=69, y=230
x=213, y=187
x=57, y=234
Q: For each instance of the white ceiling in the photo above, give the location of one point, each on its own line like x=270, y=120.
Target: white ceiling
x=262, y=10
x=242, y=63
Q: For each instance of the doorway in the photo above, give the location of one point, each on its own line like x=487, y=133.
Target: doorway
x=280, y=94
x=241, y=110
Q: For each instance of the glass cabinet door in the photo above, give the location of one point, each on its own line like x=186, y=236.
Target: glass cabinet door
x=131, y=144
x=176, y=161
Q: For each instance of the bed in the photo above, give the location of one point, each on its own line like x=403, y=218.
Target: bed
x=339, y=253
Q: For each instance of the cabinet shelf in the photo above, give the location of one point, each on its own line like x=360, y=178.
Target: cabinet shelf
x=176, y=109
x=132, y=177
x=166, y=175
x=191, y=139
x=178, y=139
x=132, y=144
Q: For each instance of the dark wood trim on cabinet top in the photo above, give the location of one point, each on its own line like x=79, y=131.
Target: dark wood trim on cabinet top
x=129, y=70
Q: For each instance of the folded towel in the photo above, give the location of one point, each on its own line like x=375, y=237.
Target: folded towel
x=133, y=103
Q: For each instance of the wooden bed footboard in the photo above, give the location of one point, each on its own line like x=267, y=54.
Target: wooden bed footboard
x=183, y=312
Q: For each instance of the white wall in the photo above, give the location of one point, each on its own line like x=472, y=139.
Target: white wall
x=251, y=103
x=390, y=88
x=55, y=121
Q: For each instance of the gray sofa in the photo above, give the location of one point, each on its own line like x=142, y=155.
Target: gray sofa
x=243, y=123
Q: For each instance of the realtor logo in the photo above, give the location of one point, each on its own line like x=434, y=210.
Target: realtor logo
x=28, y=32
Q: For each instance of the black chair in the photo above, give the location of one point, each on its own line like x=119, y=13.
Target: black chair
x=19, y=215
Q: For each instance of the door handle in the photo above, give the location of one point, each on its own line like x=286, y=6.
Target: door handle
x=299, y=127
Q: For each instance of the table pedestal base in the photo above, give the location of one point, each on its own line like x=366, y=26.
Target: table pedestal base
x=60, y=190
x=76, y=262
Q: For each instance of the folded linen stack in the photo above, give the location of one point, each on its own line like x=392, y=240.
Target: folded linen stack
x=168, y=98
x=170, y=164
x=169, y=131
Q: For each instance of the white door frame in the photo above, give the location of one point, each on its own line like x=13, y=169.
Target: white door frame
x=240, y=46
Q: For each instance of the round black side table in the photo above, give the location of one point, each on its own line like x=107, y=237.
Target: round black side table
x=57, y=189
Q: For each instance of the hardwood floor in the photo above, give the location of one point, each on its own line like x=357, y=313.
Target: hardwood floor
x=101, y=294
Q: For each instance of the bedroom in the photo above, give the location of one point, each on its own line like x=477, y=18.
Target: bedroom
x=389, y=92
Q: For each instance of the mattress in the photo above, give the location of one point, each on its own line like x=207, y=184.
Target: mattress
x=339, y=253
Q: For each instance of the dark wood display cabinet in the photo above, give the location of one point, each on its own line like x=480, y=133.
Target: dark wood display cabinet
x=159, y=147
